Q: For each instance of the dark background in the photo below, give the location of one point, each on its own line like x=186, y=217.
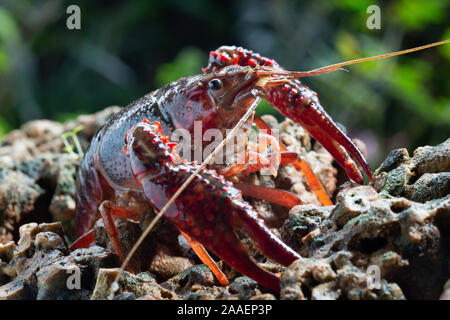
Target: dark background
x=127, y=48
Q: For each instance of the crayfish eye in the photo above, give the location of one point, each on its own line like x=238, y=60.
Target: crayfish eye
x=215, y=84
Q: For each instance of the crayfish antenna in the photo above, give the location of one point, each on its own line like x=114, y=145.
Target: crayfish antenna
x=280, y=76
x=333, y=67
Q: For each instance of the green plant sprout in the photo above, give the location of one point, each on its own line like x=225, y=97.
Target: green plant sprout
x=69, y=147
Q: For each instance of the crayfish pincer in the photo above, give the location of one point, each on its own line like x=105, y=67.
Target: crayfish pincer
x=208, y=210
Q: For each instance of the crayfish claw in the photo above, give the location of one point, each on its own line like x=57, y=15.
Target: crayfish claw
x=230, y=250
x=265, y=241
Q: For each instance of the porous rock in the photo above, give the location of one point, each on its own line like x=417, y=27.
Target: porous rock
x=424, y=176
x=40, y=266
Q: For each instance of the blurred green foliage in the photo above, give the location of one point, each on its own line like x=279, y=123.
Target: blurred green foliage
x=125, y=49
x=4, y=127
x=187, y=62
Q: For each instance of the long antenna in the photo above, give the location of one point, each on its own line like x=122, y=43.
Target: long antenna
x=381, y=56
x=115, y=284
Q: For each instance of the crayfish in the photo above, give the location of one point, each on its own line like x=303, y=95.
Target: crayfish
x=131, y=166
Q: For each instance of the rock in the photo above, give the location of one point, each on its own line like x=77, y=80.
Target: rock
x=140, y=285
x=40, y=266
x=389, y=262
x=6, y=251
x=354, y=284
x=393, y=234
x=264, y=296
x=103, y=288
x=198, y=274
x=318, y=278
x=54, y=280
x=18, y=196
x=93, y=259
x=244, y=287
x=429, y=186
x=400, y=237
x=167, y=266
x=326, y=291
x=125, y=296
x=446, y=292
x=322, y=272
x=424, y=177
x=302, y=220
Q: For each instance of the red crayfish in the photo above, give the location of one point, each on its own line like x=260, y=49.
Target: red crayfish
x=111, y=182
x=130, y=165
